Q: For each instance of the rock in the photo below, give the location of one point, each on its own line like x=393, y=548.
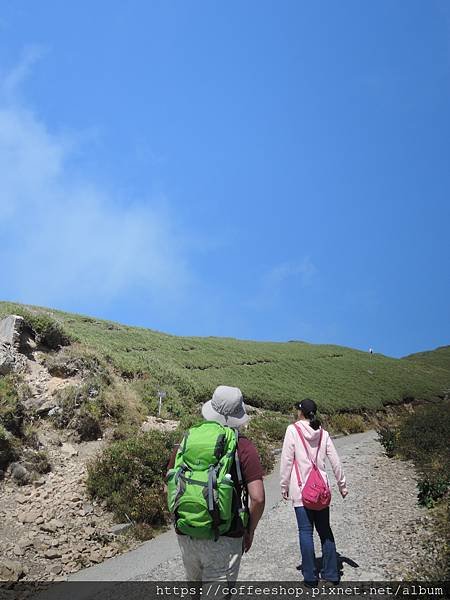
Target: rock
x=10, y=570
x=95, y=556
x=49, y=527
x=28, y=517
x=22, y=499
x=68, y=449
x=52, y=553
x=24, y=543
x=54, y=411
x=87, y=509
x=57, y=523
x=55, y=570
x=39, y=482
x=46, y=407
x=120, y=528
x=11, y=328
x=18, y=551
x=19, y=473
x=68, y=557
x=7, y=359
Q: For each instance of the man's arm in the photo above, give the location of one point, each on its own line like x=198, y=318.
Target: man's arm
x=257, y=502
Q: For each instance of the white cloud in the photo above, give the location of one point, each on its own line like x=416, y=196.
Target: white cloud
x=62, y=235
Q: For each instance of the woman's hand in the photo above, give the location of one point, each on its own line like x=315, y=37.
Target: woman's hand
x=344, y=493
x=285, y=494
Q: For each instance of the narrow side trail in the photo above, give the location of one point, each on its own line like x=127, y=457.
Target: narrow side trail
x=380, y=531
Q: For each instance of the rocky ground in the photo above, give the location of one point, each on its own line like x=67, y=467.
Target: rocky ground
x=49, y=527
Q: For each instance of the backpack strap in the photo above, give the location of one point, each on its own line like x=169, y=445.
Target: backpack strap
x=299, y=431
x=236, y=459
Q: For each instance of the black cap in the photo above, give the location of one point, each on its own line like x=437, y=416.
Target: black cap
x=308, y=407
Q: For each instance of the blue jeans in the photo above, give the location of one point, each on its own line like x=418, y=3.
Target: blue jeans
x=306, y=520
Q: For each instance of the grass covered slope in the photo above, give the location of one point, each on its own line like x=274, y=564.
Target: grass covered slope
x=271, y=375
x=433, y=358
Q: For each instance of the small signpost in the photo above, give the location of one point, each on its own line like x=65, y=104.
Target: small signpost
x=161, y=395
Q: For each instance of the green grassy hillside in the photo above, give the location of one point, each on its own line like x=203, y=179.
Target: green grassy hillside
x=271, y=375
x=433, y=358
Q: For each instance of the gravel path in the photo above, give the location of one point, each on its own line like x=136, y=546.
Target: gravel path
x=380, y=531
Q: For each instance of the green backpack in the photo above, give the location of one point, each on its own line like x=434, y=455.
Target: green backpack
x=199, y=486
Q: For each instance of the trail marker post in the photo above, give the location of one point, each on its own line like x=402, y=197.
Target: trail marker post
x=161, y=395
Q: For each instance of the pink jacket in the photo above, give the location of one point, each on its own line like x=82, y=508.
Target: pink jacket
x=293, y=449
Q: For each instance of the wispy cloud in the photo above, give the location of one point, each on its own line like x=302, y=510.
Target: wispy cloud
x=302, y=271
x=63, y=235
x=11, y=83
x=280, y=280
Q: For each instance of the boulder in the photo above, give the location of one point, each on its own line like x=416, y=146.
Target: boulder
x=10, y=570
x=120, y=528
x=7, y=359
x=68, y=449
x=47, y=407
x=19, y=473
x=28, y=517
x=52, y=553
x=11, y=328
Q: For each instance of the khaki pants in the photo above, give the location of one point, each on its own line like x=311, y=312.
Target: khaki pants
x=207, y=560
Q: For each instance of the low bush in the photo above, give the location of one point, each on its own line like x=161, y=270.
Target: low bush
x=48, y=331
x=387, y=437
x=345, y=423
x=129, y=477
x=88, y=427
x=87, y=407
x=424, y=438
x=11, y=410
x=37, y=461
x=8, y=448
x=75, y=360
x=271, y=426
x=432, y=488
x=265, y=451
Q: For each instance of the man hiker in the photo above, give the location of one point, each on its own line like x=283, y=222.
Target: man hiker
x=215, y=490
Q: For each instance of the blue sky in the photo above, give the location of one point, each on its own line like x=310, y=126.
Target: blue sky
x=260, y=170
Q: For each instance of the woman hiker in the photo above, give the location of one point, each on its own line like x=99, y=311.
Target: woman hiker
x=305, y=443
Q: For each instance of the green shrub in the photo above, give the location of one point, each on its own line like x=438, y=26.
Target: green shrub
x=8, y=448
x=345, y=423
x=37, y=461
x=30, y=437
x=88, y=427
x=87, y=406
x=271, y=426
x=129, y=477
x=424, y=438
x=432, y=489
x=48, y=331
x=11, y=410
x=388, y=439
x=265, y=452
x=75, y=360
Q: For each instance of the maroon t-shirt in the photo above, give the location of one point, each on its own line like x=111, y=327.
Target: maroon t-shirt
x=251, y=470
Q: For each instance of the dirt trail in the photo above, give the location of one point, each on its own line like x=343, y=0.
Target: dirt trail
x=380, y=531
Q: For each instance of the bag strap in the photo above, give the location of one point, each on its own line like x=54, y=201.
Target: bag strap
x=236, y=458
x=297, y=472
x=299, y=431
